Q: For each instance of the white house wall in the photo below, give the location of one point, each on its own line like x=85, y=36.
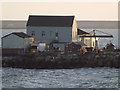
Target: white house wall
x=28, y=41
x=74, y=30
x=103, y=41
x=119, y=38
x=90, y=42
x=4, y=32
x=12, y=41
x=64, y=33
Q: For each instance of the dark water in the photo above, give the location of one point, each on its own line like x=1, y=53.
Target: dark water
x=60, y=78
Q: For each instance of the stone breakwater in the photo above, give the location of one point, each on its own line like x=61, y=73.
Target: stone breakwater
x=37, y=61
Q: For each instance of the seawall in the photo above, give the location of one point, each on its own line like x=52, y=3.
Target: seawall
x=37, y=61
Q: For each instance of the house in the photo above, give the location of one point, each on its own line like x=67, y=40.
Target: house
x=110, y=27
x=84, y=37
x=75, y=47
x=10, y=26
x=119, y=39
x=48, y=29
x=15, y=43
x=57, y=30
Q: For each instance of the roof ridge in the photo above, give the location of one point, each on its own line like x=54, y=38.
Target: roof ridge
x=55, y=15
x=20, y=34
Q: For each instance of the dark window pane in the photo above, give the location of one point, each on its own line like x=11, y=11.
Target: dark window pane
x=56, y=34
x=33, y=33
x=43, y=33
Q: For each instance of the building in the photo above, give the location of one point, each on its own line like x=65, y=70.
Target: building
x=110, y=27
x=75, y=47
x=48, y=29
x=118, y=27
x=9, y=26
x=105, y=26
x=16, y=42
x=89, y=41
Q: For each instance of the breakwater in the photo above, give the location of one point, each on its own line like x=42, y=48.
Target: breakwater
x=40, y=61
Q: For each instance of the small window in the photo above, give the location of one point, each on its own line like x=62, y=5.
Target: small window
x=56, y=34
x=43, y=33
x=33, y=33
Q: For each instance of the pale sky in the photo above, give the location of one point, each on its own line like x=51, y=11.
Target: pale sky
x=82, y=10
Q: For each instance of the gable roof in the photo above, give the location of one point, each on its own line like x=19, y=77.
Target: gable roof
x=81, y=32
x=20, y=34
x=61, y=21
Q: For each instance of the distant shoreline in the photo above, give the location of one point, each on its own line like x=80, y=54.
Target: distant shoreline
x=86, y=24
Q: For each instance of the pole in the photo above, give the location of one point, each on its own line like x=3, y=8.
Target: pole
x=95, y=38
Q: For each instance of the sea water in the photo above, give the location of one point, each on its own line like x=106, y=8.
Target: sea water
x=60, y=78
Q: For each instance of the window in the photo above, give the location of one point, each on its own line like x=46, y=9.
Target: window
x=43, y=33
x=56, y=34
x=33, y=33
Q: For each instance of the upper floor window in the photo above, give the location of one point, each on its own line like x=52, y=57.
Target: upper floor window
x=56, y=34
x=33, y=33
x=43, y=33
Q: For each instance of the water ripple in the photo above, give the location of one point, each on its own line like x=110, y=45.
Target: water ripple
x=60, y=78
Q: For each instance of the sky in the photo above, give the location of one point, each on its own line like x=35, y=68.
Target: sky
x=83, y=10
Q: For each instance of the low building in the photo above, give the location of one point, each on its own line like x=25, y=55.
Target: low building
x=110, y=27
x=75, y=47
x=106, y=26
x=16, y=42
x=89, y=41
x=59, y=46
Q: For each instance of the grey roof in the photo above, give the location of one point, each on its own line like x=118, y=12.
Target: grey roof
x=81, y=32
x=80, y=43
x=20, y=34
x=61, y=21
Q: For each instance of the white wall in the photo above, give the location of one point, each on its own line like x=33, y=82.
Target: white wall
x=4, y=32
x=119, y=38
x=12, y=41
x=103, y=41
x=28, y=41
x=64, y=33
x=74, y=30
